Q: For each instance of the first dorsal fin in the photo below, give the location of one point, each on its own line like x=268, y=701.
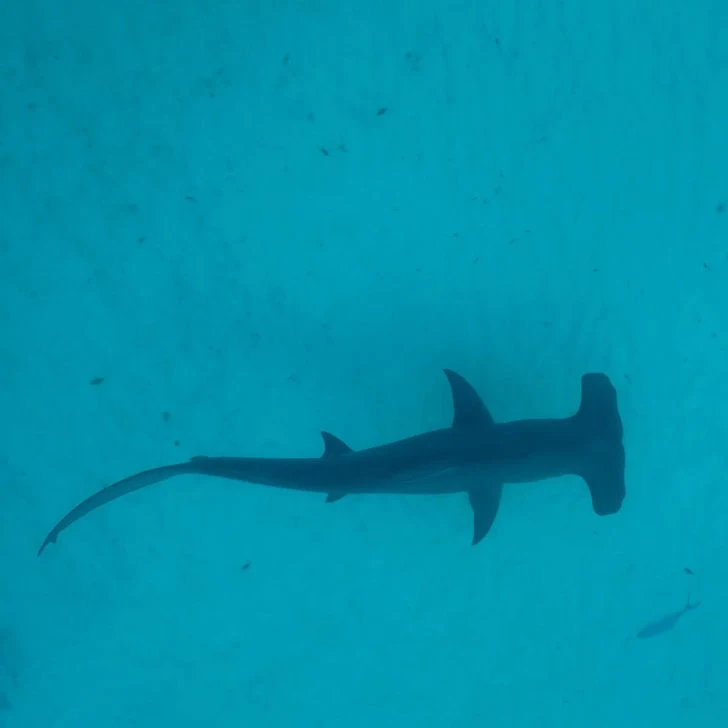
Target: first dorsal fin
x=334, y=446
x=469, y=409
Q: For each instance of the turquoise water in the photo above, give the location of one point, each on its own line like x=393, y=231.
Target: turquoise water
x=225, y=227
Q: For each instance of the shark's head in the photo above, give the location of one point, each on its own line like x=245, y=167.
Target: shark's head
x=602, y=459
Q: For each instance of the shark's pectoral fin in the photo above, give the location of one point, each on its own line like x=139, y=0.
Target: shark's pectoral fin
x=469, y=409
x=333, y=497
x=484, y=502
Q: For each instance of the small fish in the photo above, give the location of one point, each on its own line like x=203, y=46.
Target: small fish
x=666, y=623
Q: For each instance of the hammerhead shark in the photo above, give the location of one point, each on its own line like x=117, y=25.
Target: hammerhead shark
x=475, y=455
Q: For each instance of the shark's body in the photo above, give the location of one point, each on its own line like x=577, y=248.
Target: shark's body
x=475, y=455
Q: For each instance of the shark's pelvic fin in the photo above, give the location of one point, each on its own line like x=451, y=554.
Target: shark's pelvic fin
x=469, y=409
x=334, y=447
x=484, y=501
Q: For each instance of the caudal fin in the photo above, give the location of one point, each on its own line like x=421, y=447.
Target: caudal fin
x=117, y=490
x=600, y=426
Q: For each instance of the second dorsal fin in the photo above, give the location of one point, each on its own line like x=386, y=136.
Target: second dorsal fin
x=469, y=409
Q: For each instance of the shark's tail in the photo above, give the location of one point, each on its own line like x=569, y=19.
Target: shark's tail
x=602, y=458
x=112, y=492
